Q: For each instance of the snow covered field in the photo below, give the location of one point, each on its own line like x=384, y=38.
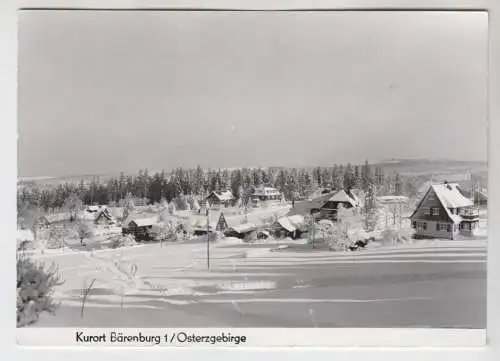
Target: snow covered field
x=175, y=279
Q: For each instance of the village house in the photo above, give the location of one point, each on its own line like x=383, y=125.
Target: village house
x=444, y=212
x=104, y=217
x=242, y=231
x=140, y=228
x=341, y=198
x=218, y=199
x=266, y=195
x=291, y=226
x=310, y=206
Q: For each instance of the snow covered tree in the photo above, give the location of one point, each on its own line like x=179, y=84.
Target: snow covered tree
x=73, y=205
x=349, y=177
x=198, y=180
x=257, y=177
x=398, y=185
x=340, y=176
x=367, y=178
x=371, y=209
x=357, y=177
x=128, y=205
x=281, y=181
x=236, y=183
x=84, y=230
x=35, y=288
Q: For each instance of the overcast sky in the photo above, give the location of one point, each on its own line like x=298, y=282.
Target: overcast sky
x=103, y=91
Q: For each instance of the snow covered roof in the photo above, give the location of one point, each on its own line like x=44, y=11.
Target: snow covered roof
x=292, y=223
x=243, y=228
x=450, y=196
x=223, y=196
x=342, y=196
x=144, y=222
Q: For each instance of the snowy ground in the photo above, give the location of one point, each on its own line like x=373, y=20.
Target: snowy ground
x=278, y=283
x=433, y=283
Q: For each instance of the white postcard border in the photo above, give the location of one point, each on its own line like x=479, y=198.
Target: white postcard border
x=9, y=173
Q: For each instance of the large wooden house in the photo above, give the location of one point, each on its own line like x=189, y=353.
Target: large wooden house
x=266, y=195
x=444, y=212
x=340, y=199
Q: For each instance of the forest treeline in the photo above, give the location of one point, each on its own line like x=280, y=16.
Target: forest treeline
x=295, y=183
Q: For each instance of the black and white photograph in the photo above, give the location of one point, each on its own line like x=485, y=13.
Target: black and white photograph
x=252, y=169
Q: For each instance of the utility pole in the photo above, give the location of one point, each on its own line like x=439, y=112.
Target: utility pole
x=246, y=211
x=312, y=231
x=208, y=240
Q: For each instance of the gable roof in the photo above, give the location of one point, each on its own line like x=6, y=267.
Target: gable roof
x=343, y=197
x=222, y=196
x=305, y=207
x=449, y=196
x=106, y=214
x=292, y=223
x=243, y=228
x=144, y=222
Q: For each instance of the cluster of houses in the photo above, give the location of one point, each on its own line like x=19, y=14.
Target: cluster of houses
x=445, y=211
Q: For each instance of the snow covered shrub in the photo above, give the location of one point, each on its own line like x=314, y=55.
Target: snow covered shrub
x=35, y=286
x=394, y=235
x=122, y=241
x=84, y=230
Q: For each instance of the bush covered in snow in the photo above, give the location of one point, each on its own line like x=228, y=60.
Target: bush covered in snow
x=122, y=241
x=35, y=286
x=395, y=235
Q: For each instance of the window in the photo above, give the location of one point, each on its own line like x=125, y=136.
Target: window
x=421, y=226
x=443, y=227
x=434, y=211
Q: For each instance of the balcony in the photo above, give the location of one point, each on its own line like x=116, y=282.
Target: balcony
x=469, y=213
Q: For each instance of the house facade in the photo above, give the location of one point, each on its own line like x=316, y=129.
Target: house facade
x=140, y=228
x=266, y=195
x=218, y=199
x=340, y=199
x=104, y=217
x=444, y=212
